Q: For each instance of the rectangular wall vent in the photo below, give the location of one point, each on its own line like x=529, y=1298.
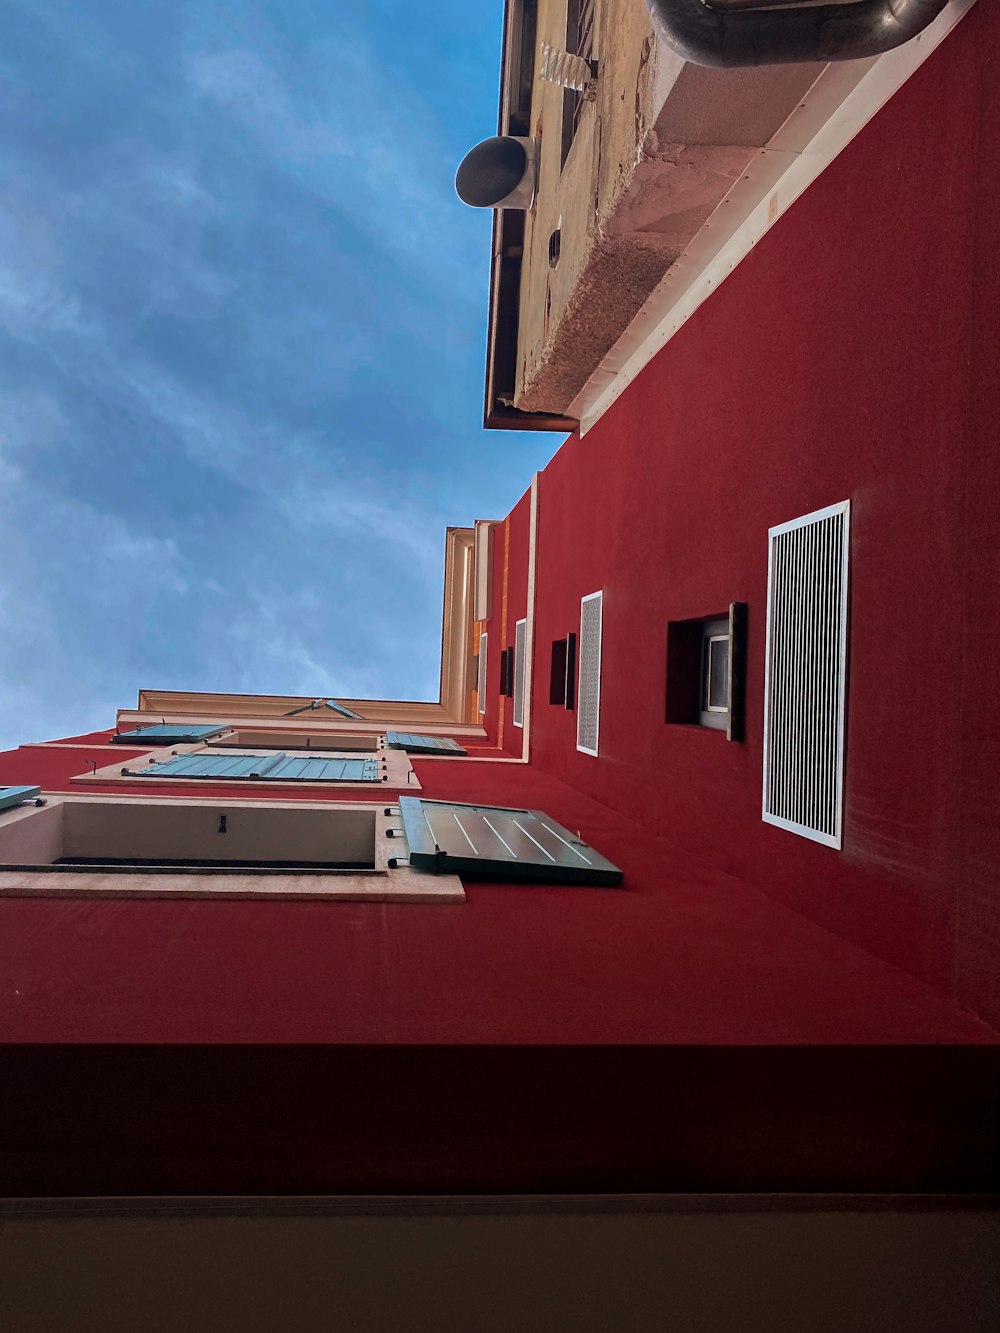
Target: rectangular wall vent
x=588, y=714
x=481, y=684
x=806, y=674
x=520, y=631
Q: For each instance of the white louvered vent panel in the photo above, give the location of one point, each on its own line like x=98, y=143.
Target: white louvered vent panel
x=588, y=709
x=804, y=692
x=519, y=637
x=481, y=683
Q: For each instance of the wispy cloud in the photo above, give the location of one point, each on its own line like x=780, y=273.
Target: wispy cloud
x=359, y=137
x=241, y=325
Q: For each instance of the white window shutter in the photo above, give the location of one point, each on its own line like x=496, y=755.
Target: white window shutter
x=806, y=674
x=481, y=683
x=520, y=632
x=588, y=708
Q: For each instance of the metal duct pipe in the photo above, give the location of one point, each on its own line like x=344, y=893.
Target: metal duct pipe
x=727, y=37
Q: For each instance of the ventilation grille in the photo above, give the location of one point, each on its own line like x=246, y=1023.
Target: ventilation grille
x=481, y=683
x=519, y=634
x=589, y=689
x=806, y=674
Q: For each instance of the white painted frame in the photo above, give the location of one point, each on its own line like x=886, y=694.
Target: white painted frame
x=803, y=830
x=599, y=598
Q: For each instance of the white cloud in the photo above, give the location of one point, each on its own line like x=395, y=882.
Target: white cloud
x=417, y=535
x=184, y=324
x=30, y=303
x=358, y=137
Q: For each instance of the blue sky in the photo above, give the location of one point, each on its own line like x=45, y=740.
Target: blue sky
x=242, y=322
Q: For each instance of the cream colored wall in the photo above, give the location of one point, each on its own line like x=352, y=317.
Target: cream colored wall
x=295, y=740
x=579, y=196
x=456, y=629
x=31, y=836
x=266, y=834
x=314, y=723
x=154, y=704
x=128, y=826
x=658, y=148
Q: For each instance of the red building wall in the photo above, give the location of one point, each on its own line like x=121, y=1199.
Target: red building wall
x=852, y=355
x=806, y=379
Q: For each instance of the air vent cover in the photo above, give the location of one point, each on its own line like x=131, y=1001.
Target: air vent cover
x=481, y=684
x=520, y=630
x=499, y=173
x=806, y=674
x=589, y=690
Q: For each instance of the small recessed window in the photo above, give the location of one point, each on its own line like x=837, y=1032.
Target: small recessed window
x=562, y=678
x=555, y=246
x=714, y=673
x=557, y=678
x=705, y=671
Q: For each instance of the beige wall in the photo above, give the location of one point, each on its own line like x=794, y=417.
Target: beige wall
x=145, y=831
x=295, y=740
x=188, y=827
x=659, y=145
x=730, y=1268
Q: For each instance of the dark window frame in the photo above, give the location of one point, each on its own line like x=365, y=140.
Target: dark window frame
x=571, y=655
x=581, y=22
x=709, y=715
x=509, y=658
x=557, y=673
x=687, y=676
x=562, y=673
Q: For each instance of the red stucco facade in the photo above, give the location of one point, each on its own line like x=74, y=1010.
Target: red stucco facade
x=751, y=1010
